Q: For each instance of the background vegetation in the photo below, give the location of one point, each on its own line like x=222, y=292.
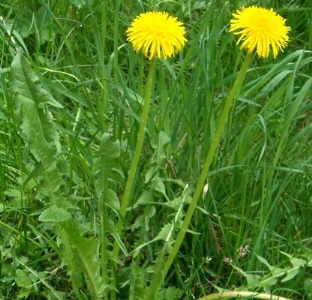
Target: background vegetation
x=70, y=98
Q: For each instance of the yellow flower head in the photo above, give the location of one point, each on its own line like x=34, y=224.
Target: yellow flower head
x=156, y=34
x=260, y=29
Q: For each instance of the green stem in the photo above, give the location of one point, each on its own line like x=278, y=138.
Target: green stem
x=100, y=38
x=158, y=278
x=140, y=139
x=136, y=159
x=254, y=295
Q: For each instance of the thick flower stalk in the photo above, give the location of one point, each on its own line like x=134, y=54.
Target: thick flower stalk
x=261, y=30
x=156, y=34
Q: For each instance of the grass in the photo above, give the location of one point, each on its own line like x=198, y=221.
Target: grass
x=71, y=92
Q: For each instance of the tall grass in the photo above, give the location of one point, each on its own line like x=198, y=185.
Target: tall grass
x=71, y=93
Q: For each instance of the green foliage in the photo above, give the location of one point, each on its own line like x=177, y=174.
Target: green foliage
x=33, y=102
x=277, y=276
x=71, y=92
x=82, y=256
x=54, y=214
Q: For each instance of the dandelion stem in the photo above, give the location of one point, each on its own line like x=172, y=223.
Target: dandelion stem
x=140, y=139
x=136, y=158
x=158, y=278
x=241, y=294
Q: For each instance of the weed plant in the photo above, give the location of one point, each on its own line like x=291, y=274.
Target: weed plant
x=71, y=93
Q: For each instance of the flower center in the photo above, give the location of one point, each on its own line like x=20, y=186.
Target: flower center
x=264, y=24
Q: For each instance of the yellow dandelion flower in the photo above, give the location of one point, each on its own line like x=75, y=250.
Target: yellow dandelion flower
x=260, y=29
x=156, y=34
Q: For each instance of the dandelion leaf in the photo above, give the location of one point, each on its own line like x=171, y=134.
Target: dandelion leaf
x=137, y=282
x=84, y=252
x=33, y=101
x=54, y=214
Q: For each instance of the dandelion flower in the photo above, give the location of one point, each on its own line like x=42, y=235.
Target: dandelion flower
x=156, y=34
x=260, y=29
